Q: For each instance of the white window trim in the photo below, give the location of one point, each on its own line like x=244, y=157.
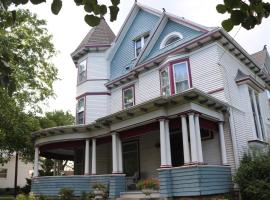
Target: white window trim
x=141, y=38
x=132, y=87
x=160, y=74
x=173, y=66
x=82, y=71
x=257, y=117
x=162, y=44
x=77, y=110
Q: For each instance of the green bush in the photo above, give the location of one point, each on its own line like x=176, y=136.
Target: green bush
x=253, y=176
x=66, y=194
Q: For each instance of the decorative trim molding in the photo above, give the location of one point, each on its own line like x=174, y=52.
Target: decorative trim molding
x=92, y=94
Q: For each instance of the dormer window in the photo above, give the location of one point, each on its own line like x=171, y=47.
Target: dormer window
x=82, y=71
x=171, y=39
x=139, y=44
x=80, y=111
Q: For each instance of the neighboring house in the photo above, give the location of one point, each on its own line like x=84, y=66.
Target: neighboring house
x=165, y=98
x=7, y=173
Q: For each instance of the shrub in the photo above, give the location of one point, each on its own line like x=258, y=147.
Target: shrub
x=99, y=186
x=66, y=194
x=150, y=183
x=253, y=176
x=21, y=197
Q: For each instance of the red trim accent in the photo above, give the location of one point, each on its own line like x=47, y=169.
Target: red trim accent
x=96, y=46
x=93, y=94
x=140, y=130
x=215, y=91
x=171, y=79
x=125, y=88
x=98, y=79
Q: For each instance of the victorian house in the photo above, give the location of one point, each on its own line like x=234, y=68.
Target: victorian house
x=165, y=98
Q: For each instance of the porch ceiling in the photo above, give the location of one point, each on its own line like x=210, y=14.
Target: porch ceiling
x=192, y=95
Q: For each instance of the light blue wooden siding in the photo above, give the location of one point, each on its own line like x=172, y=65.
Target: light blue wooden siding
x=170, y=27
x=51, y=185
x=123, y=57
x=195, y=181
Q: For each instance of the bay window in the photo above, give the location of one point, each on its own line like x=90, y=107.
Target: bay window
x=80, y=111
x=82, y=71
x=128, y=97
x=175, y=78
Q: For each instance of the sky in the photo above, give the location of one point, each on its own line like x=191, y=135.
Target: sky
x=68, y=29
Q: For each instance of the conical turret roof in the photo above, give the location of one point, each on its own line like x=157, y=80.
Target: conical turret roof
x=99, y=36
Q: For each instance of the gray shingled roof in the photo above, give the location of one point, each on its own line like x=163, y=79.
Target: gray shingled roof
x=99, y=35
x=261, y=56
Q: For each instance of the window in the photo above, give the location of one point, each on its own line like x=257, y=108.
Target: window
x=260, y=115
x=170, y=39
x=128, y=97
x=175, y=78
x=165, y=82
x=3, y=173
x=82, y=71
x=80, y=110
x=180, y=71
x=139, y=44
x=256, y=111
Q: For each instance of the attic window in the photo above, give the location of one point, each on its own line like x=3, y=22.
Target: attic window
x=171, y=39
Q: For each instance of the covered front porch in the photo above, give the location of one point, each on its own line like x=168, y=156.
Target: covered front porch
x=185, y=149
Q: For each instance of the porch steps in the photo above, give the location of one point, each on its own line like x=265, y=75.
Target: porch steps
x=137, y=195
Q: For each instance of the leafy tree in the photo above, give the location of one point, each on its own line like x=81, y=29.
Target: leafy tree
x=95, y=11
x=56, y=118
x=253, y=176
x=26, y=78
x=52, y=119
x=248, y=14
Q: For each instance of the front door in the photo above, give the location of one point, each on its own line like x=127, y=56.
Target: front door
x=131, y=162
x=177, y=149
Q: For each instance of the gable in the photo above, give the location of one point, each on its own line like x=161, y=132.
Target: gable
x=125, y=55
x=171, y=26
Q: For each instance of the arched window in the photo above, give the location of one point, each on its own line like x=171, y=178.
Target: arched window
x=170, y=39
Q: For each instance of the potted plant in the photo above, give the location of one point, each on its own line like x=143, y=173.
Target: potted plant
x=148, y=186
x=99, y=190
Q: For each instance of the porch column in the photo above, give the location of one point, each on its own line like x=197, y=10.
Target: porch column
x=36, y=161
x=193, y=142
x=168, y=144
x=185, y=139
x=222, y=143
x=162, y=143
x=94, y=158
x=86, y=159
x=114, y=153
x=198, y=137
x=120, y=156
